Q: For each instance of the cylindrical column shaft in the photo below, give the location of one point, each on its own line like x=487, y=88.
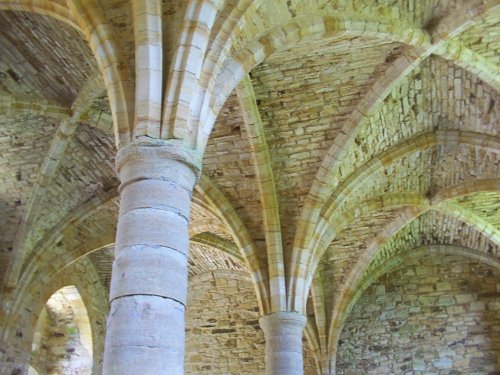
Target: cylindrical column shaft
x=145, y=328
x=328, y=366
x=283, y=332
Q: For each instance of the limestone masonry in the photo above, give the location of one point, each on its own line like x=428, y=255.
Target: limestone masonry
x=249, y=187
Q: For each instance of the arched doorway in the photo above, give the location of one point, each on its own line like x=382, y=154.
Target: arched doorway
x=62, y=341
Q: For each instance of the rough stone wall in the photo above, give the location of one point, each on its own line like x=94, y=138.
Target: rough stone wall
x=24, y=140
x=28, y=67
x=222, y=325
x=433, y=315
x=223, y=335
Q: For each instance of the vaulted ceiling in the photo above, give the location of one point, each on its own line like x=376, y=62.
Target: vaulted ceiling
x=349, y=143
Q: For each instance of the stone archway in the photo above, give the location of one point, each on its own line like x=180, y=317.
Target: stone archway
x=62, y=342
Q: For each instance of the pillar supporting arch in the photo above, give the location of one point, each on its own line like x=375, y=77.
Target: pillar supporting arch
x=267, y=192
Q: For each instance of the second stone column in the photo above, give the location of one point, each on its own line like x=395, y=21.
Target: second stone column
x=145, y=329
x=283, y=333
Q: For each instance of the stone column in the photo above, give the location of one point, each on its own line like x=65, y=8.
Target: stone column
x=145, y=328
x=283, y=332
x=328, y=367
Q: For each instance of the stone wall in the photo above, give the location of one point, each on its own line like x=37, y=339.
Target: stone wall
x=223, y=335
x=433, y=315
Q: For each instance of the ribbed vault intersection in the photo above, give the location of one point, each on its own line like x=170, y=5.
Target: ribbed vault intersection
x=336, y=139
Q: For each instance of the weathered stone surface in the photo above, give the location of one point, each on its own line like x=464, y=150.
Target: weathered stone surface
x=150, y=271
x=24, y=139
x=28, y=67
x=378, y=134
x=283, y=332
x=223, y=335
x=453, y=330
x=222, y=329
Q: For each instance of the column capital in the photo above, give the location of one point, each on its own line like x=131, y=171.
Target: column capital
x=155, y=150
x=283, y=320
x=158, y=160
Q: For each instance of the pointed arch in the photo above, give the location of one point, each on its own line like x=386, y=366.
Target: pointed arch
x=242, y=238
x=318, y=237
x=64, y=313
